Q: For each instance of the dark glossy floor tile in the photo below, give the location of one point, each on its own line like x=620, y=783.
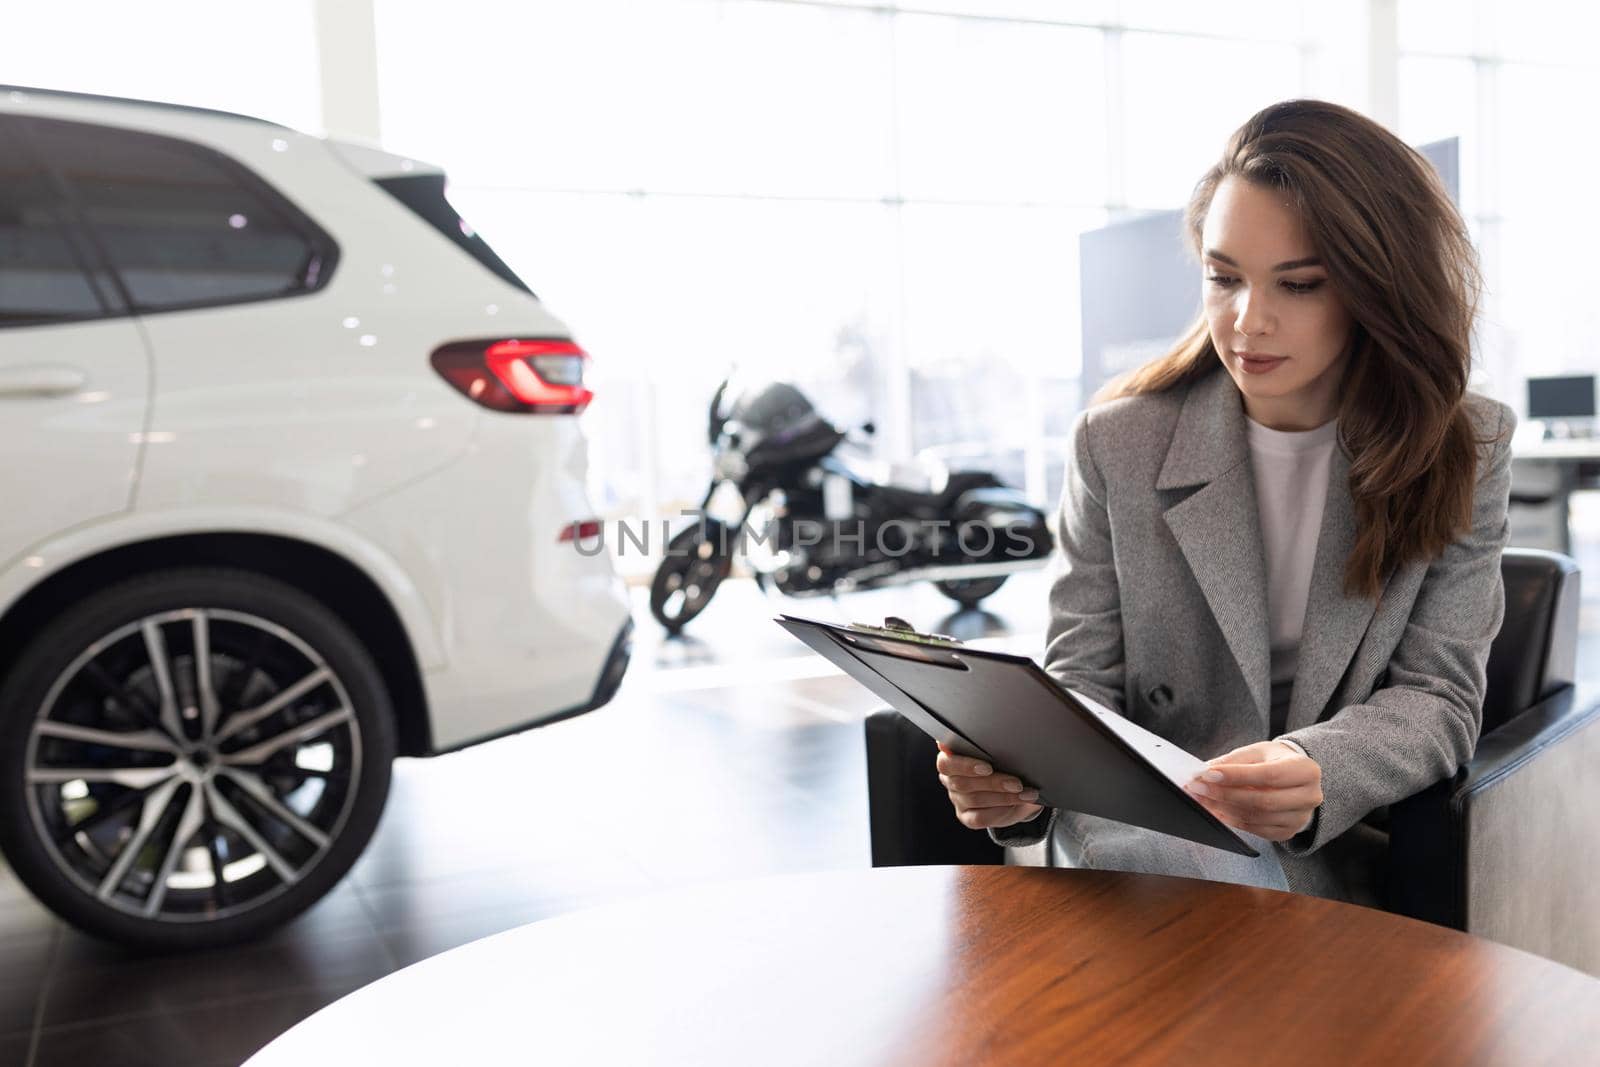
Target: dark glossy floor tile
x=14, y=1049
x=516, y=801
x=93, y=981
x=547, y=888
x=738, y=624
x=12, y=891
x=25, y=917
x=26, y=962
x=423, y=857
x=753, y=856
x=413, y=942
x=340, y=913
x=217, y=1035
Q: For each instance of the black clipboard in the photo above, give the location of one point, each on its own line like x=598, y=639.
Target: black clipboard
x=1005, y=710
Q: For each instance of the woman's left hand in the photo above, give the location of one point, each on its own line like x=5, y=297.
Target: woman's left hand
x=1266, y=789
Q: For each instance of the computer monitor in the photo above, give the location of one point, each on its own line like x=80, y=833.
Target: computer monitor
x=1561, y=398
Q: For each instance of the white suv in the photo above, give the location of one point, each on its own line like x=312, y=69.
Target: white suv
x=293, y=483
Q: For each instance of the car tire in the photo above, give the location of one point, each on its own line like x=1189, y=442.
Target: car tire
x=143, y=810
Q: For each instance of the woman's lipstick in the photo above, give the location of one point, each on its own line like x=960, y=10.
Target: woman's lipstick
x=1258, y=362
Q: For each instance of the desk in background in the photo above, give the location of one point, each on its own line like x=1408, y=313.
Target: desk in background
x=1545, y=472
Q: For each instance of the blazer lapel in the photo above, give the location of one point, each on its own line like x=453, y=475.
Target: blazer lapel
x=1334, y=622
x=1217, y=527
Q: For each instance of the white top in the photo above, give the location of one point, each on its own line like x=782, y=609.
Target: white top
x=1291, y=475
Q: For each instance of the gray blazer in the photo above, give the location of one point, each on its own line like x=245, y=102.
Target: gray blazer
x=1159, y=610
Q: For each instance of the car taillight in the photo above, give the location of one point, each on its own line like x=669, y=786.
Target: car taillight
x=538, y=377
x=580, y=531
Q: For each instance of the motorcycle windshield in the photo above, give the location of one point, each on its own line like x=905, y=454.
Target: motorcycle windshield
x=773, y=409
x=809, y=441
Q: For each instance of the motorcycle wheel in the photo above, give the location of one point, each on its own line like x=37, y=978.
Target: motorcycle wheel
x=688, y=576
x=968, y=592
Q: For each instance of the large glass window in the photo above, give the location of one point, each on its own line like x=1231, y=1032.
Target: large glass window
x=999, y=112
x=672, y=96
x=1184, y=96
x=1437, y=27
x=1244, y=20
x=905, y=181
x=1545, y=174
x=1505, y=76
x=1438, y=98
x=880, y=202
x=180, y=225
x=1540, y=31
x=991, y=327
x=256, y=57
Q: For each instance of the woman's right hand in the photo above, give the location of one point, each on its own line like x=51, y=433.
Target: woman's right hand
x=983, y=797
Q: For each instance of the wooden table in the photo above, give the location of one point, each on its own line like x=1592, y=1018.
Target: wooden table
x=969, y=966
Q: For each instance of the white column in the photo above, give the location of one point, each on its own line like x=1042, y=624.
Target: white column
x=1116, y=143
x=347, y=56
x=895, y=440
x=1494, y=349
x=1335, y=49
x=1383, y=62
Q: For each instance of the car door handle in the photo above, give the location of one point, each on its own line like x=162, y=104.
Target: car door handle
x=41, y=379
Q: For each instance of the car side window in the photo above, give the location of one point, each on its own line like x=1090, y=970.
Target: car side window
x=181, y=225
x=42, y=277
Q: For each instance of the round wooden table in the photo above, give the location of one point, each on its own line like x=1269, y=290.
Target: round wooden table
x=969, y=966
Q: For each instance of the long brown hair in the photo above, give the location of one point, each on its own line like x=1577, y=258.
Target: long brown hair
x=1398, y=255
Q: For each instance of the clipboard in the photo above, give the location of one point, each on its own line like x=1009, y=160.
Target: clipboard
x=1005, y=710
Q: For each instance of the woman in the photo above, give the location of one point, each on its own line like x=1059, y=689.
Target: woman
x=1280, y=543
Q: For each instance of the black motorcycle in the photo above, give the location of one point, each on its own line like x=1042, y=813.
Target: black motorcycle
x=808, y=525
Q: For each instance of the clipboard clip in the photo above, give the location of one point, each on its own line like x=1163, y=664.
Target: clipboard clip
x=894, y=626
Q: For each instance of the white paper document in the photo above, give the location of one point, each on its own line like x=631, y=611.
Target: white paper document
x=1172, y=761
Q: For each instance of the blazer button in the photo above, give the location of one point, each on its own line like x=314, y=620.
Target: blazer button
x=1159, y=697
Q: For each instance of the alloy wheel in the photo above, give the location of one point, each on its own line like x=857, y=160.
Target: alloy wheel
x=192, y=765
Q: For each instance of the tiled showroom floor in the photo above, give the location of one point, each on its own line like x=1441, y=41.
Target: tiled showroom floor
x=731, y=753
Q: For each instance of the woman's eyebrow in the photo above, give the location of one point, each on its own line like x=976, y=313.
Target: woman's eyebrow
x=1291, y=264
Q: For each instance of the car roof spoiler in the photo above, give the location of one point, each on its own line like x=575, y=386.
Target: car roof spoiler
x=375, y=163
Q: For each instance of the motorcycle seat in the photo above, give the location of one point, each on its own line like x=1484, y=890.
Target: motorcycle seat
x=940, y=503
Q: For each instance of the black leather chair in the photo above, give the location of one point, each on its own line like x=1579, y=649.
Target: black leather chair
x=1508, y=849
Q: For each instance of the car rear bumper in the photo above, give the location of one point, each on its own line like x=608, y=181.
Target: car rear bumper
x=526, y=623
x=616, y=666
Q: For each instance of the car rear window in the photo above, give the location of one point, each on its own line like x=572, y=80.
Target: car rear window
x=424, y=194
